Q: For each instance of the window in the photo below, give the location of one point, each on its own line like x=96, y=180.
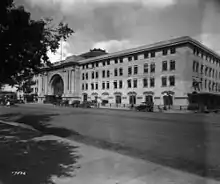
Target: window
x=135, y=70
x=172, y=65
x=145, y=83
x=194, y=66
x=83, y=76
x=103, y=63
x=210, y=72
x=115, y=84
x=116, y=72
x=86, y=75
x=145, y=55
x=197, y=67
x=135, y=83
x=120, y=71
x=120, y=84
x=97, y=64
x=103, y=73
x=201, y=69
x=146, y=68
x=121, y=60
x=164, y=81
x=152, y=82
x=103, y=85
x=129, y=58
x=87, y=66
x=164, y=52
x=108, y=62
x=172, y=80
x=164, y=66
x=96, y=85
x=205, y=84
x=129, y=83
x=82, y=86
x=108, y=73
x=83, y=66
x=129, y=70
x=173, y=50
x=116, y=61
x=92, y=86
x=135, y=57
x=86, y=86
x=107, y=85
x=93, y=65
x=97, y=75
x=152, y=67
x=93, y=75
x=152, y=54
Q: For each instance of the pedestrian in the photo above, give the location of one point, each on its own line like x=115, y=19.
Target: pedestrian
x=8, y=103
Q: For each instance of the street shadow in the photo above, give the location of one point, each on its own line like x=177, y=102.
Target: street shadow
x=27, y=158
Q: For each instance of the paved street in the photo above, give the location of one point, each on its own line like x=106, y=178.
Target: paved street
x=188, y=142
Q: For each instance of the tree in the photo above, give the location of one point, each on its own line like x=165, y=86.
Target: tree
x=24, y=42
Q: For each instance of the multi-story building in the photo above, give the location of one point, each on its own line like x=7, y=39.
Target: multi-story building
x=167, y=73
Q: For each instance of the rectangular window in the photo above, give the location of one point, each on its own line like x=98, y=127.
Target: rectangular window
x=135, y=57
x=146, y=55
x=116, y=61
x=86, y=86
x=108, y=62
x=152, y=54
x=135, y=83
x=164, y=66
x=194, y=66
x=145, y=83
x=93, y=75
x=96, y=85
x=103, y=63
x=129, y=58
x=129, y=70
x=82, y=86
x=172, y=65
x=164, y=52
x=173, y=50
x=146, y=68
x=120, y=71
x=135, y=70
x=103, y=73
x=172, y=80
x=116, y=72
x=107, y=85
x=121, y=60
x=86, y=76
x=83, y=76
x=103, y=85
x=92, y=86
x=97, y=75
x=115, y=84
x=83, y=66
x=120, y=84
x=201, y=69
x=152, y=67
x=87, y=66
x=129, y=83
x=164, y=81
x=108, y=73
x=152, y=82
x=97, y=64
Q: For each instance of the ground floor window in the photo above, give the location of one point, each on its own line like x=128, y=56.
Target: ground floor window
x=168, y=100
x=85, y=97
x=149, y=98
x=118, y=99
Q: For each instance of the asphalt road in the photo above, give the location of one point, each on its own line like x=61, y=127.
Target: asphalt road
x=176, y=140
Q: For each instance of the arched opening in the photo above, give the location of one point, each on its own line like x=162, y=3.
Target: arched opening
x=85, y=97
x=168, y=100
x=149, y=99
x=132, y=97
x=118, y=97
x=57, y=85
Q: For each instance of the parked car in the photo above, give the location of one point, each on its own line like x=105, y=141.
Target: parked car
x=75, y=103
x=86, y=105
x=145, y=106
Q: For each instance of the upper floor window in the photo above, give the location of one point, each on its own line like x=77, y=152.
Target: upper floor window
x=152, y=67
x=116, y=72
x=120, y=84
x=93, y=65
x=116, y=61
x=93, y=75
x=172, y=80
x=87, y=76
x=146, y=55
x=87, y=66
x=172, y=65
x=96, y=86
x=83, y=66
x=108, y=62
x=120, y=71
x=103, y=73
x=97, y=75
x=86, y=86
x=135, y=69
x=201, y=69
x=164, y=81
x=108, y=73
x=135, y=57
x=146, y=68
x=83, y=76
x=152, y=54
x=107, y=85
x=121, y=60
x=92, y=86
x=129, y=83
x=103, y=63
x=129, y=58
x=145, y=83
x=103, y=85
x=164, y=66
x=135, y=83
x=164, y=52
x=115, y=84
x=152, y=82
x=129, y=70
x=82, y=86
x=97, y=64
x=173, y=50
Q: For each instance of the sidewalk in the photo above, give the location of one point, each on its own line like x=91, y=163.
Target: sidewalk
x=97, y=166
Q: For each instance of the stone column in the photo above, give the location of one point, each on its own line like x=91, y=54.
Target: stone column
x=65, y=81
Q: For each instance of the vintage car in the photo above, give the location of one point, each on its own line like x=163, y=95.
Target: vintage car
x=145, y=106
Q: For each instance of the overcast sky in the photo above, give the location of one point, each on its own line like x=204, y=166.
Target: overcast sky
x=119, y=24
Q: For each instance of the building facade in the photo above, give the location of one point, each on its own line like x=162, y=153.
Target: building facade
x=166, y=73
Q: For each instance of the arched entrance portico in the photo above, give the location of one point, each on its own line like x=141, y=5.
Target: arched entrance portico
x=148, y=96
x=132, y=97
x=57, y=85
x=168, y=98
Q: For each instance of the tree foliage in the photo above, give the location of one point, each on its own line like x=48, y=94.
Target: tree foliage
x=24, y=43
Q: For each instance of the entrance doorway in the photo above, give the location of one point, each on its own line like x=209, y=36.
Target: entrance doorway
x=168, y=100
x=149, y=99
x=132, y=99
x=118, y=99
x=85, y=97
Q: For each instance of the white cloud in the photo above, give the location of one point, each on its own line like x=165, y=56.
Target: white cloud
x=115, y=45
x=57, y=56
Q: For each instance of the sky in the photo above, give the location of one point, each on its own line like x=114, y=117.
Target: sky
x=116, y=25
